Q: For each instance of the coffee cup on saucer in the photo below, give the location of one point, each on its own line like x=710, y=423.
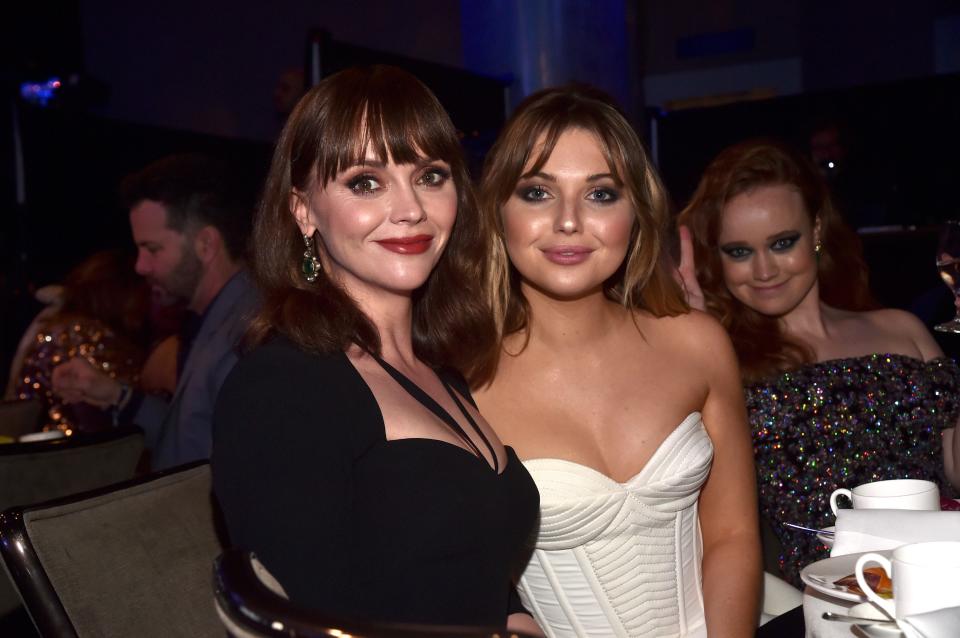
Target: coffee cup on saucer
x=924, y=576
x=897, y=494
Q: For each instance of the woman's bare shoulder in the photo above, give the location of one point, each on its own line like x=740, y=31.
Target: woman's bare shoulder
x=888, y=320
x=894, y=325
x=694, y=334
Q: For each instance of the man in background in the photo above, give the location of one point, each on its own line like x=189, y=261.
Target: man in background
x=190, y=224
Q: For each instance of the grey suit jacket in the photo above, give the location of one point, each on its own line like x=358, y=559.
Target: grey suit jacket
x=180, y=431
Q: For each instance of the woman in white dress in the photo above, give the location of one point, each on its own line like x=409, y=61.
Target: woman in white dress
x=624, y=405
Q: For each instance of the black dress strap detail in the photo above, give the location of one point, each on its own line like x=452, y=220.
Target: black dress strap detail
x=428, y=402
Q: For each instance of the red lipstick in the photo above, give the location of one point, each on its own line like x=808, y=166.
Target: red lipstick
x=567, y=255
x=414, y=245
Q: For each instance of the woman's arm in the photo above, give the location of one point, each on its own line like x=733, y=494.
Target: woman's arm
x=281, y=473
x=951, y=453
x=908, y=324
x=525, y=624
x=728, y=501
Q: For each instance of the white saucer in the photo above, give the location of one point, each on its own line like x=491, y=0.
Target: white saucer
x=822, y=574
x=33, y=437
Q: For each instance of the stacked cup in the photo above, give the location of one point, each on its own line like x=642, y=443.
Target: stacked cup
x=924, y=575
x=898, y=494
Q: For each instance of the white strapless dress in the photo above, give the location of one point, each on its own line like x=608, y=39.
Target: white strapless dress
x=621, y=559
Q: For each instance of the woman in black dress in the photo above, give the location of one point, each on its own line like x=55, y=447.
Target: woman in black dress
x=348, y=453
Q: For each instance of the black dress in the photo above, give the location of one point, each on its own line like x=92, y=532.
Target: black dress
x=410, y=530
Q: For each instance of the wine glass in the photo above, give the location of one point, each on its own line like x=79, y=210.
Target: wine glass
x=948, y=262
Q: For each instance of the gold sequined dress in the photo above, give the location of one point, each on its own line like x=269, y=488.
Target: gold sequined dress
x=60, y=339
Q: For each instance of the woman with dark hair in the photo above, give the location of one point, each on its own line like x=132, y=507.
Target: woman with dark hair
x=100, y=314
x=348, y=453
x=838, y=393
x=623, y=404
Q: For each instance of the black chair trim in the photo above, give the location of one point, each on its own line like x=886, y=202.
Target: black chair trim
x=39, y=597
x=20, y=557
x=252, y=606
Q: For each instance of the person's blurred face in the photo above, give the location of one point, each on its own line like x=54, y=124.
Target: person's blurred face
x=567, y=226
x=165, y=257
x=382, y=226
x=766, y=245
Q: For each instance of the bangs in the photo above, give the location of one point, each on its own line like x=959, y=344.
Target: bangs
x=551, y=132
x=394, y=119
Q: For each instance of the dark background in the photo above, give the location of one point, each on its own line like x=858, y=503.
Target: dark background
x=144, y=81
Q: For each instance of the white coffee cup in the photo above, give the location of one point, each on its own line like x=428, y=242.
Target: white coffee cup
x=924, y=575
x=898, y=494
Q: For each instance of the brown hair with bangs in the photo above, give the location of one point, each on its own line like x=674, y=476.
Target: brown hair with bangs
x=761, y=345
x=644, y=280
x=391, y=113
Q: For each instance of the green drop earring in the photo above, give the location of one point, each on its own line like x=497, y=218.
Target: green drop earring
x=310, y=266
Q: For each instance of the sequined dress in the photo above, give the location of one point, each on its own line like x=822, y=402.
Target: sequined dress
x=841, y=423
x=61, y=339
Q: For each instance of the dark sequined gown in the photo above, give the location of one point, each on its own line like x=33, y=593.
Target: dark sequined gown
x=842, y=423
x=58, y=341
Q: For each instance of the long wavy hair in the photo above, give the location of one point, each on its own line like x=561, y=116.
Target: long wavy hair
x=762, y=346
x=644, y=279
x=393, y=114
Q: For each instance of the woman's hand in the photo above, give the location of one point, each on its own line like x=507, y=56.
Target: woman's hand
x=77, y=380
x=523, y=623
x=687, y=272
x=732, y=564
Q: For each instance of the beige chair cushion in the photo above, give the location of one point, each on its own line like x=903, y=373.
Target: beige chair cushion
x=42, y=476
x=135, y=562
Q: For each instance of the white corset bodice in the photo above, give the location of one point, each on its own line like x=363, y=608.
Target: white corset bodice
x=621, y=559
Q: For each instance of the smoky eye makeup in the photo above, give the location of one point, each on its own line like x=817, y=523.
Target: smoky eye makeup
x=603, y=195
x=434, y=176
x=363, y=183
x=785, y=242
x=532, y=192
x=735, y=251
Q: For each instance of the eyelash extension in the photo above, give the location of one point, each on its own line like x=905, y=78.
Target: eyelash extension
x=730, y=252
x=354, y=182
x=790, y=240
x=612, y=194
x=524, y=192
x=437, y=170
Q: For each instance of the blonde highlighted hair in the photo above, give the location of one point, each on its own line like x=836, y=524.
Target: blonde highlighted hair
x=645, y=279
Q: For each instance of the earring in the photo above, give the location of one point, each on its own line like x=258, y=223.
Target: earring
x=310, y=266
x=818, y=247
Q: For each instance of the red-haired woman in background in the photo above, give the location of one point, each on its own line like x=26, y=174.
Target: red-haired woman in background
x=838, y=393
x=101, y=315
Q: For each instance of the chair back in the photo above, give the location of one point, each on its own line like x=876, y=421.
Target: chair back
x=128, y=560
x=19, y=416
x=252, y=604
x=36, y=472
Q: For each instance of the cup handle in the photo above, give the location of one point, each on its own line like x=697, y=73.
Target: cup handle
x=872, y=596
x=837, y=492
